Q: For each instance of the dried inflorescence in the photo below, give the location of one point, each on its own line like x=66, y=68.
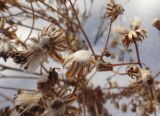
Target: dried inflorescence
x=79, y=64
x=9, y=41
x=48, y=44
x=135, y=34
x=114, y=10
x=50, y=99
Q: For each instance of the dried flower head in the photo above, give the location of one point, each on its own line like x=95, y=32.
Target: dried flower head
x=60, y=102
x=114, y=10
x=53, y=40
x=156, y=23
x=135, y=34
x=36, y=55
x=48, y=44
x=78, y=63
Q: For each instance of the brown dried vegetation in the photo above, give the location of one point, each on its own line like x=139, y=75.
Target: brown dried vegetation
x=64, y=86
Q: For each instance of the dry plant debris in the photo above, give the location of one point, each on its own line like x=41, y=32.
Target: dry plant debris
x=64, y=61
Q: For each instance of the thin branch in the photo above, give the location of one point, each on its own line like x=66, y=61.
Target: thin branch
x=84, y=33
x=6, y=97
x=121, y=64
x=137, y=52
x=33, y=22
x=15, y=89
x=3, y=67
x=18, y=77
x=108, y=37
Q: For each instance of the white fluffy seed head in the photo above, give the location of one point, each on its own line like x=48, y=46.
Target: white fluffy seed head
x=136, y=22
x=81, y=56
x=27, y=98
x=121, y=30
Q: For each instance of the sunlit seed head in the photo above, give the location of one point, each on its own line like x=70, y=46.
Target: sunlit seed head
x=27, y=98
x=83, y=56
x=136, y=22
x=121, y=30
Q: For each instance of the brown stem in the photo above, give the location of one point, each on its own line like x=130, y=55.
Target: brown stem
x=157, y=74
x=96, y=109
x=15, y=89
x=121, y=64
x=54, y=10
x=84, y=33
x=137, y=52
x=6, y=97
x=3, y=67
x=108, y=36
x=18, y=77
x=33, y=17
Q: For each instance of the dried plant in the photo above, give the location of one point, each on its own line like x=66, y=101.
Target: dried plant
x=63, y=63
